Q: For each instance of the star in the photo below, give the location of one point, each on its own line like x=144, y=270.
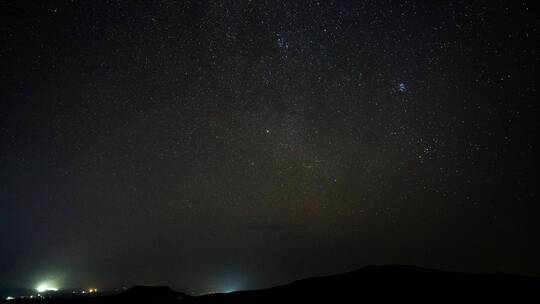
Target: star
x=402, y=87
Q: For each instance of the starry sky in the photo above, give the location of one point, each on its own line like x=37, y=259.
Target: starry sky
x=234, y=144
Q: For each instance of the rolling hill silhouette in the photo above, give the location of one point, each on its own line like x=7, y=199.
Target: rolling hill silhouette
x=369, y=284
x=389, y=283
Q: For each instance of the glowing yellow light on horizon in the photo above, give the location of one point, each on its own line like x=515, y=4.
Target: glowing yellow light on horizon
x=46, y=287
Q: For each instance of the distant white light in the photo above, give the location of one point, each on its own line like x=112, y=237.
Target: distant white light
x=46, y=286
x=10, y=298
x=231, y=288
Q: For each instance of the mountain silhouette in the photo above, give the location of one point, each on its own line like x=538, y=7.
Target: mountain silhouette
x=398, y=282
x=369, y=284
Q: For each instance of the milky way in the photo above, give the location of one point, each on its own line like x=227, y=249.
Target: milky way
x=200, y=144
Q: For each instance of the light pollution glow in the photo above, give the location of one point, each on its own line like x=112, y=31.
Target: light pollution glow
x=46, y=286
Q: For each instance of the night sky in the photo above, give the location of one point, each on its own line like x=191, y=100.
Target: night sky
x=224, y=145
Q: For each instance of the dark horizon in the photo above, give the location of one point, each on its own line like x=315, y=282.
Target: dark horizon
x=227, y=145
x=390, y=273
x=368, y=283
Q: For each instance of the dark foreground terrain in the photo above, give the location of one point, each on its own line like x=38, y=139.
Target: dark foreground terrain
x=369, y=284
